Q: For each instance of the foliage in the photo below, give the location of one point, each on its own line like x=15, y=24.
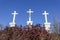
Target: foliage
x=19, y=33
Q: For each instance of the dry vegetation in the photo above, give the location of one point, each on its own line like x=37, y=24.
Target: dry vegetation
x=19, y=33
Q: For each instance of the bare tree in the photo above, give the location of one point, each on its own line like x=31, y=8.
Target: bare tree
x=55, y=33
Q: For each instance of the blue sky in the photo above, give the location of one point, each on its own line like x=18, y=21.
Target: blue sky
x=21, y=6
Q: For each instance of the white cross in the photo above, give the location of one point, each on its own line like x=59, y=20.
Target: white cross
x=45, y=14
x=14, y=15
x=29, y=14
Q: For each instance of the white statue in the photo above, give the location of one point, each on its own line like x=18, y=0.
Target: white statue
x=30, y=12
x=12, y=24
x=47, y=24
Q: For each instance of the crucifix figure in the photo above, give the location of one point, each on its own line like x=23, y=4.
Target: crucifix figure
x=45, y=14
x=47, y=24
x=13, y=22
x=30, y=12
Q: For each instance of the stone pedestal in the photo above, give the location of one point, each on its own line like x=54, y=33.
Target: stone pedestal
x=12, y=24
x=29, y=23
x=47, y=26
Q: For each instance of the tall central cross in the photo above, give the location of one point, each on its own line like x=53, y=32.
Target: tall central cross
x=12, y=24
x=30, y=12
x=29, y=22
x=45, y=14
